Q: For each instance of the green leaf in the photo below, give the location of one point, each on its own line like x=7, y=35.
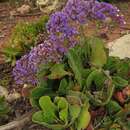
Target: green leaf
x=74, y=100
x=38, y=92
x=42, y=89
x=63, y=108
x=119, y=82
x=43, y=70
x=99, y=80
x=11, y=51
x=84, y=118
x=113, y=107
x=58, y=71
x=98, y=55
x=4, y=108
x=63, y=114
x=63, y=87
x=100, y=98
x=123, y=69
x=111, y=64
x=38, y=117
x=91, y=77
x=48, y=108
x=74, y=111
x=76, y=65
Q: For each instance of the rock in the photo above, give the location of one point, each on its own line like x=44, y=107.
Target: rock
x=120, y=47
x=13, y=96
x=3, y=91
x=47, y=6
x=13, y=13
x=9, y=97
x=24, y=9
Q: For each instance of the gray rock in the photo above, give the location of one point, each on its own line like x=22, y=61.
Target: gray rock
x=120, y=47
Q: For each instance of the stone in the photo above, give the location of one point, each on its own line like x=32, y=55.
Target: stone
x=13, y=13
x=120, y=47
x=3, y=91
x=47, y=6
x=24, y=9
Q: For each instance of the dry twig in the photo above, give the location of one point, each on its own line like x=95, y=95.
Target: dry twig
x=18, y=123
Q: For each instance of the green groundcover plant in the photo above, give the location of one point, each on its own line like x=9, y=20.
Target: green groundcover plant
x=24, y=37
x=4, y=107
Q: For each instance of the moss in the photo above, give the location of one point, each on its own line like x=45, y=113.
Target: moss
x=5, y=81
x=23, y=37
x=5, y=75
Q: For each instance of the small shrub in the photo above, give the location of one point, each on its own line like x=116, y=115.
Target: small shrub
x=23, y=38
x=4, y=108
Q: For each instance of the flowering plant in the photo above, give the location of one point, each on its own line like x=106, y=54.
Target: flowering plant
x=74, y=76
x=62, y=35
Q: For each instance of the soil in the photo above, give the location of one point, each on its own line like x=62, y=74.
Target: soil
x=7, y=23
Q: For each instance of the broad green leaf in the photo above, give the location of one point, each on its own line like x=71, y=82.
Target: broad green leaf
x=37, y=93
x=43, y=70
x=63, y=114
x=61, y=102
x=113, y=107
x=63, y=87
x=111, y=64
x=123, y=69
x=98, y=56
x=63, y=108
x=74, y=111
x=58, y=71
x=84, y=118
x=101, y=98
x=99, y=80
x=74, y=100
x=48, y=108
x=76, y=65
x=119, y=82
x=38, y=117
x=91, y=77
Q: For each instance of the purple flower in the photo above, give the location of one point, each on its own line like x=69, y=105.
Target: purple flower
x=76, y=10
x=27, y=67
x=24, y=72
x=83, y=10
x=44, y=53
x=61, y=34
x=102, y=10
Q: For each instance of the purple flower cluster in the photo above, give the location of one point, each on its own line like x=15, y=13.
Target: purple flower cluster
x=83, y=10
x=24, y=72
x=102, y=10
x=44, y=53
x=62, y=36
x=27, y=67
x=60, y=32
x=77, y=11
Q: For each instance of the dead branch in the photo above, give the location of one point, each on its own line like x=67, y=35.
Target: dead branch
x=27, y=15
x=19, y=15
x=18, y=123
x=127, y=28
